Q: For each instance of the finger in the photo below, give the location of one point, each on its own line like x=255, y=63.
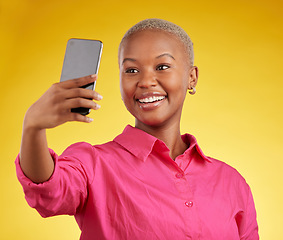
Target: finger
x=79, y=118
x=80, y=102
x=97, y=96
x=78, y=82
x=82, y=93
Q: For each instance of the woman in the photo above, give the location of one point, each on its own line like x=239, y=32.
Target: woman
x=150, y=182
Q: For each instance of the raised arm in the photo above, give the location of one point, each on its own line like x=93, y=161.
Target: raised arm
x=53, y=108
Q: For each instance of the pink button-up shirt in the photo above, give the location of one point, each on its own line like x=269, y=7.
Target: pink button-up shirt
x=130, y=188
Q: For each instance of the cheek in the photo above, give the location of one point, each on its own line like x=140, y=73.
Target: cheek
x=177, y=83
x=127, y=90
x=127, y=94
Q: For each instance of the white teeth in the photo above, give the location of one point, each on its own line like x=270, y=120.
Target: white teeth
x=151, y=99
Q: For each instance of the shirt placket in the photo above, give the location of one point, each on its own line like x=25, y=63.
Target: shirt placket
x=187, y=200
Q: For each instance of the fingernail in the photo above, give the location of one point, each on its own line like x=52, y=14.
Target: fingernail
x=98, y=106
x=89, y=119
x=99, y=97
x=92, y=76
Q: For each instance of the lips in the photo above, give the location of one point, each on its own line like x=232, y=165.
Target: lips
x=150, y=101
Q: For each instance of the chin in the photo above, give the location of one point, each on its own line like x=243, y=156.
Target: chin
x=151, y=122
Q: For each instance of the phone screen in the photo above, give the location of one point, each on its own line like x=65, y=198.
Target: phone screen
x=82, y=58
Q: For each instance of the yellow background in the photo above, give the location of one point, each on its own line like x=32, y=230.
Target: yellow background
x=236, y=114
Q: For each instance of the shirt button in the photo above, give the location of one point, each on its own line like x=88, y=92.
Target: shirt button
x=189, y=203
x=179, y=175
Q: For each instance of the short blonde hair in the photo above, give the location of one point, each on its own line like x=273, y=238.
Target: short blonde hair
x=163, y=25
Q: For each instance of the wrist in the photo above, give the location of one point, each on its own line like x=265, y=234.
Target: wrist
x=30, y=123
x=28, y=126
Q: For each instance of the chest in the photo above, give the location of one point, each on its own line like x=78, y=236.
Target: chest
x=161, y=201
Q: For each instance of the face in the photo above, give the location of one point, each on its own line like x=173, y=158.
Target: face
x=155, y=76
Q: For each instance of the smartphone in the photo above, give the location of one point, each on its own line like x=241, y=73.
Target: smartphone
x=82, y=58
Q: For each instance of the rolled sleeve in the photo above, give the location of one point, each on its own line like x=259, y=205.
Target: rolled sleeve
x=67, y=189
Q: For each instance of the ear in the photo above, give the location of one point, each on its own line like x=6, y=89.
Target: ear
x=193, y=77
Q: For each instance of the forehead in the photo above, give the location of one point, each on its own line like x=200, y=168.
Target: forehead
x=151, y=42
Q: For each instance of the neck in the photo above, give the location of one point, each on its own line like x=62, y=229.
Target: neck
x=170, y=135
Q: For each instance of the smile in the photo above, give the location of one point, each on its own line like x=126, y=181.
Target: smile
x=151, y=99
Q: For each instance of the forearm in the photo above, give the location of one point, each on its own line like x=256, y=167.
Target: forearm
x=35, y=159
x=49, y=111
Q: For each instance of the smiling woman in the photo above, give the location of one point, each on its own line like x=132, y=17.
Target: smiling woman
x=150, y=182
x=153, y=63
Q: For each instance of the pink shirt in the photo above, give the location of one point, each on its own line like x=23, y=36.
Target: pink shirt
x=130, y=188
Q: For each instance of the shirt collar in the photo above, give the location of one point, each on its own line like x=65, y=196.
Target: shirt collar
x=136, y=141
x=191, y=141
x=140, y=143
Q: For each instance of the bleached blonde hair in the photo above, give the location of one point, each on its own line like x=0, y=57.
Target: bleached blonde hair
x=166, y=26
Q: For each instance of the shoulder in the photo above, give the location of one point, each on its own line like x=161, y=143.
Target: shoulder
x=229, y=174
x=86, y=150
x=225, y=168
x=78, y=149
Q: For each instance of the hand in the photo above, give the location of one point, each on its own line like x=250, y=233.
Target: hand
x=53, y=108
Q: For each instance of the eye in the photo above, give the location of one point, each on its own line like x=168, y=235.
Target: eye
x=131, y=70
x=162, y=67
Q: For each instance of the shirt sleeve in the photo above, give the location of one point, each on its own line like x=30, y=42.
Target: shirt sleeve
x=67, y=189
x=248, y=228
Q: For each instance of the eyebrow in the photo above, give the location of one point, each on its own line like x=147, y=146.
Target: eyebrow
x=129, y=59
x=162, y=55
x=165, y=54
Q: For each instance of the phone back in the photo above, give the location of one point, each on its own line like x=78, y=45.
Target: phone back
x=82, y=58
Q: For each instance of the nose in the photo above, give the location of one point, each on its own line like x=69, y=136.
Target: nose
x=147, y=80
